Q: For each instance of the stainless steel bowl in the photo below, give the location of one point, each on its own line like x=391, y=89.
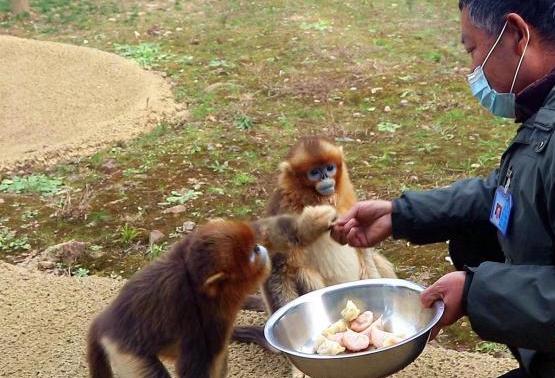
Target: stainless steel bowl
x=294, y=328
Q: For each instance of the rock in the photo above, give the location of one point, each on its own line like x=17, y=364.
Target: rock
x=46, y=265
x=175, y=210
x=109, y=166
x=155, y=236
x=67, y=253
x=189, y=226
x=2, y=201
x=387, y=109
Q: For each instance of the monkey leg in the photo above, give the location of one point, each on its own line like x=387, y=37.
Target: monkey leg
x=254, y=303
x=384, y=266
x=130, y=365
x=201, y=358
x=252, y=334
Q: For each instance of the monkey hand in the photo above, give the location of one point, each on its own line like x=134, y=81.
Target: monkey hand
x=315, y=221
x=365, y=225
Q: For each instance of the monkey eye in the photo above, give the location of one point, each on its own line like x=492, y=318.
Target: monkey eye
x=314, y=174
x=331, y=168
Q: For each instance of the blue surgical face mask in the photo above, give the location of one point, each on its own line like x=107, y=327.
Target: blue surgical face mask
x=499, y=104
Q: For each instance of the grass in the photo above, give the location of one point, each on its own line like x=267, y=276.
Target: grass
x=39, y=183
x=255, y=77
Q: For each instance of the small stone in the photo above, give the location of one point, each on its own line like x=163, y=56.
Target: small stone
x=404, y=102
x=46, y=265
x=109, y=166
x=175, y=210
x=376, y=90
x=68, y=252
x=387, y=109
x=155, y=236
x=189, y=226
x=2, y=201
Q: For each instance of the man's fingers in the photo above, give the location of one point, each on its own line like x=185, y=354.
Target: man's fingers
x=435, y=331
x=338, y=234
x=429, y=296
x=347, y=217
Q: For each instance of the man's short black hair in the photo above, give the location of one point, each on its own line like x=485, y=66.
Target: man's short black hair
x=490, y=14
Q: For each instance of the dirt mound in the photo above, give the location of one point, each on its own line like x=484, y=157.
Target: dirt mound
x=59, y=100
x=44, y=320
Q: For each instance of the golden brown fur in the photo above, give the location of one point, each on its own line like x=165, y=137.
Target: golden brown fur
x=182, y=305
x=323, y=262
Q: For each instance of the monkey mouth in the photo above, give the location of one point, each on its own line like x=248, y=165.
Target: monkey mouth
x=326, y=190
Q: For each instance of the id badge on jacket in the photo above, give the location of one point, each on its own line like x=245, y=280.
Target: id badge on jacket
x=500, y=214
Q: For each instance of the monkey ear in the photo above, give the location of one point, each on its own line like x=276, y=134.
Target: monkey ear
x=285, y=167
x=210, y=286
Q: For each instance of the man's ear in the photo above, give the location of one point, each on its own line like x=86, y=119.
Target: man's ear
x=522, y=31
x=212, y=283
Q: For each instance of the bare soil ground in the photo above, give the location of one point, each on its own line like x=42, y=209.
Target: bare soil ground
x=60, y=100
x=44, y=320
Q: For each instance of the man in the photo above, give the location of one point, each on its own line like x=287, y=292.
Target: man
x=505, y=281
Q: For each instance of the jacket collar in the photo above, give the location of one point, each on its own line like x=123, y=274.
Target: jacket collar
x=533, y=97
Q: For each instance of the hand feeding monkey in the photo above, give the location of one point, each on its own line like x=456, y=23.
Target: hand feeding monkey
x=183, y=305
x=314, y=173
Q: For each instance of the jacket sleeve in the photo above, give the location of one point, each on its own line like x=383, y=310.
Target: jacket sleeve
x=438, y=215
x=514, y=305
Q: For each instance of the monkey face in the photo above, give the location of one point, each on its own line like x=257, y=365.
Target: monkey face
x=323, y=178
x=231, y=260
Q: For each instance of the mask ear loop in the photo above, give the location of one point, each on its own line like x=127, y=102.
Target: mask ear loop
x=521, y=60
x=495, y=44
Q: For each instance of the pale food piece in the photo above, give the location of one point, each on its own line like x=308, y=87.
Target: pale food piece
x=338, y=326
x=329, y=348
x=355, y=342
x=350, y=312
x=363, y=321
x=337, y=337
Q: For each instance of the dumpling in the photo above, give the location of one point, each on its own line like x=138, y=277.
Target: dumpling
x=350, y=312
x=363, y=321
x=329, y=348
x=338, y=326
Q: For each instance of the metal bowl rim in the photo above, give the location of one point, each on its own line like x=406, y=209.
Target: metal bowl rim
x=439, y=308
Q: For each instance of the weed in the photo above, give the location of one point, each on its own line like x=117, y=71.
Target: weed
x=243, y=122
x=219, y=167
x=10, y=242
x=490, y=348
x=241, y=179
x=80, y=272
x=147, y=55
x=215, y=190
x=220, y=63
x=29, y=214
x=128, y=234
x=155, y=250
x=41, y=184
x=321, y=25
x=388, y=127
x=181, y=197
x=99, y=216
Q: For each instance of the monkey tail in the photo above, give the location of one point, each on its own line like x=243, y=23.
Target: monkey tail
x=99, y=366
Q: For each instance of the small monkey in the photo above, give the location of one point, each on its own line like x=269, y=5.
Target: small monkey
x=313, y=173
x=183, y=305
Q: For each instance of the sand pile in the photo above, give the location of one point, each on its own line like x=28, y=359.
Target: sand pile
x=59, y=100
x=44, y=319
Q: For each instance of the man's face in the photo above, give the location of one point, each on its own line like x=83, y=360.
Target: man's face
x=502, y=64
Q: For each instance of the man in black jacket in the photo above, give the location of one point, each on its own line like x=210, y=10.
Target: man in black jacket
x=501, y=228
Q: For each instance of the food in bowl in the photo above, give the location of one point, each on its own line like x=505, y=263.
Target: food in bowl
x=356, y=332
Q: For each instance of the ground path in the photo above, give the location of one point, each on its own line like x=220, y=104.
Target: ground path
x=43, y=322
x=60, y=100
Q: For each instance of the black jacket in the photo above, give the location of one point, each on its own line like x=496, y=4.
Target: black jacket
x=513, y=302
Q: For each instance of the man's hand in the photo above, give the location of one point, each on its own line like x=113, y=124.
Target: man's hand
x=365, y=225
x=448, y=288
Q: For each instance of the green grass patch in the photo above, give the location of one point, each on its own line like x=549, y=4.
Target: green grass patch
x=39, y=183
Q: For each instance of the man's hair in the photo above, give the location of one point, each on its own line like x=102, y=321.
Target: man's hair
x=490, y=14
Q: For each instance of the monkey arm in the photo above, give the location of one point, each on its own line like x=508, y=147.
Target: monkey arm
x=283, y=232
